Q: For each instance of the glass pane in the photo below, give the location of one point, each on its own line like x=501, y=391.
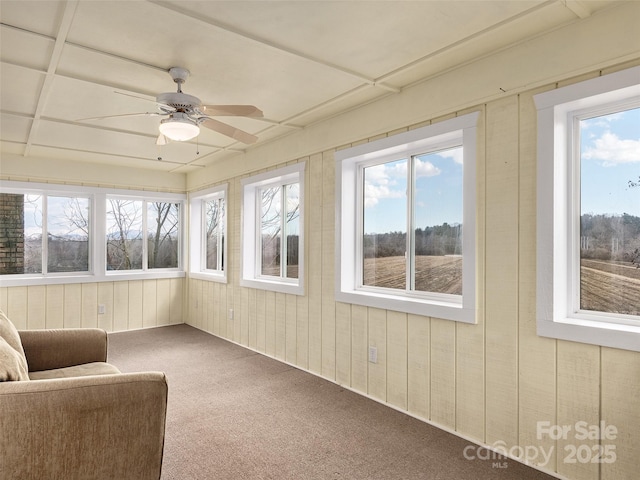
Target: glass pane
x=213, y=224
x=385, y=225
x=292, y=228
x=67, y=234
x=124, y=234
x=270, y=230
x=438, y=222
x=162, y=228
x=610, y=213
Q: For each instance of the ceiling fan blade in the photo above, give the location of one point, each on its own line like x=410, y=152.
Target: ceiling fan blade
x=162, y=140
x=149, y=114
x=229, y=131
x=233, y=110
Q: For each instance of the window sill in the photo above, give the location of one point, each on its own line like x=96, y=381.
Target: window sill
x=211, y=277
x=273, y=285
x=22, y=281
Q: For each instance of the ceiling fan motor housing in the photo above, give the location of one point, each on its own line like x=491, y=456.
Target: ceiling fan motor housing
x=182, y=102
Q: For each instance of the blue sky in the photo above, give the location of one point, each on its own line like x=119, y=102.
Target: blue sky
x=610, y=158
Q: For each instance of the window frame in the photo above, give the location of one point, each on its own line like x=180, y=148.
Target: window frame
x=250, y=263
x=97, y=244
x=197, y=232
x=558, y=190
x=460, y=130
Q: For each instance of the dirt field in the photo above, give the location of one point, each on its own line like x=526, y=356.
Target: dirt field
x=433, y=274
x=610, y=287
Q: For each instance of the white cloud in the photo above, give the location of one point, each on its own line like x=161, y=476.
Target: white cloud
x=455, y=153
x=426, y=169
x=612, y=150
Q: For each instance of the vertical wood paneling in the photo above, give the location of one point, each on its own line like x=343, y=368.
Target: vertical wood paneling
x=73, y=306
x=36, y=306
x=150, y=303
x=176, y=314
x=343, y=343
x=620, y=409
x=270, y=328
x=359, y=348
x=537, y=355
x=578, y=384
x=251, y=317
x=135, y=304
x=244, y=317
x=313, y=240
x=328, y=247
x=397, y=359
x=443, y=373
x=105, y=297
x=302, y=331
x=163, y=301
x=90, y=305
x=261, y=321
x=55, y=306
x=120, y=306
x=377, y=334
x=501, y=287
x=418, y=365
x=291, y=329
x=4, y=295
x=17, y=301
x=281, y=326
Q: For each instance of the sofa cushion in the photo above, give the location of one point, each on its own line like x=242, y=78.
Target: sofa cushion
x=13, y=366
x=84, y=370
x=9, y=332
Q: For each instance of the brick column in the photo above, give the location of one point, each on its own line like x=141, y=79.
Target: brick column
x=11, y=233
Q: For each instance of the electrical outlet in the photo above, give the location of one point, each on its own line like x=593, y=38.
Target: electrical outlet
x=102, y=309
x=231, y=314
x=373, y=354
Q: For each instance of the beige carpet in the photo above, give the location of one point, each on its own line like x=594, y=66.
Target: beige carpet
x=234, y=414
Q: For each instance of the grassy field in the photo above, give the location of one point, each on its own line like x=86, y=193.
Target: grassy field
x=605, y=286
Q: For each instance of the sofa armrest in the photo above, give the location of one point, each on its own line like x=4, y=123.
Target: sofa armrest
x=49, y=349
x=97, y=427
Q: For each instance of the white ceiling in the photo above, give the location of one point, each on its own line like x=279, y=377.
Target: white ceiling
x=301, y=62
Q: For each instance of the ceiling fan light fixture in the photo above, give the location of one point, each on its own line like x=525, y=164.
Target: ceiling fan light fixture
x=179, y=127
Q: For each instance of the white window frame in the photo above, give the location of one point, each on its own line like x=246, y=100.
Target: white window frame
x=461, y=130
x=97, y=247
x=251, y=233
x=197, y=231
x=558, y=204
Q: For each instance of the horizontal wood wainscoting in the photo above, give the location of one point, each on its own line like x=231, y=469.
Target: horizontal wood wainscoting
x=492, y=382
x=129, y=305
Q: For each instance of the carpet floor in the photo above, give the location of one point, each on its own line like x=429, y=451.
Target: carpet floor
x=235, y=414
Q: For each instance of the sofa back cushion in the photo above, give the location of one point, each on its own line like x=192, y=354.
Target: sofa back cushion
x=13, y=362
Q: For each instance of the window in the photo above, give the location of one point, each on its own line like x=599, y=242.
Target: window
x=69, y=234
x=273, y=230
x=589, y=211
x=208, y=234
x=406, y=221
x=45, y=233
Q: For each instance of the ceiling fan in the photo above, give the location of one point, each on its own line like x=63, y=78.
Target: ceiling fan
x=185, y=114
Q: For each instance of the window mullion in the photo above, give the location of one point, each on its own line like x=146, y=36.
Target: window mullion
x=283, y=233
x=410, y=235
x=45, y=234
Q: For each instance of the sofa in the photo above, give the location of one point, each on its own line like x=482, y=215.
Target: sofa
x=65, y=413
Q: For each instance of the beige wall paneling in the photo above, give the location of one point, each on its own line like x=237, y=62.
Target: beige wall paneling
x=359, y=348
x=135, y=304
x=281, y=326
x=397, y=331
x=537, y=355
x=261, y=321
x=222, y=310
x=578, y=393
x=314, y=208
x=176, y=314
x=36, y=306
x=55, y=306
x=328, y=279
x=470, y=351
x=620, y=403
x=419, y=365
x=270, y=323
x=501, y=271
x=291, y=329
x=4, y=294
x=243, y=338
x=73, y=305
x=377, y=334
x=17, y=300
x=120, y=306
x=302, y=330
x=150, y=303
x=343, y=343
x=105, y=297
x=163, y=292
x=89, y=305
x=252, y=318
x=443, y=373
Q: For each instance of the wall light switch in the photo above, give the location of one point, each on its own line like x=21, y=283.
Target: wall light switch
x=373, y=354
x=102, y=310
x=231, y=314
